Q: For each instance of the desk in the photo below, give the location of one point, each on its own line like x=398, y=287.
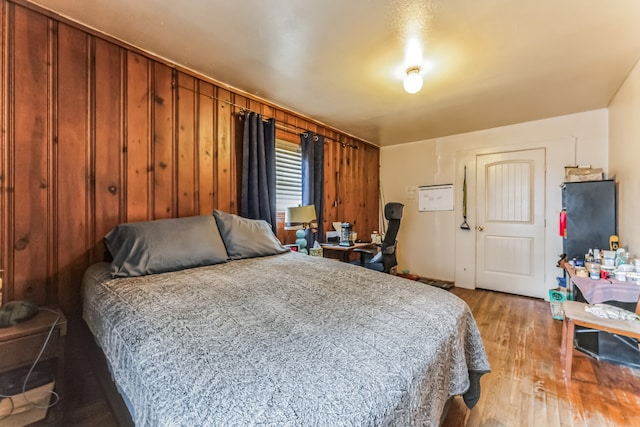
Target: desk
x=598, y=344
x=343, y=253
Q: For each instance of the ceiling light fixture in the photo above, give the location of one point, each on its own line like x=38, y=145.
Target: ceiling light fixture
x=413, y=82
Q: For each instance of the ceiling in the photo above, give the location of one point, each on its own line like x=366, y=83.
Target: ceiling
x=485, y=63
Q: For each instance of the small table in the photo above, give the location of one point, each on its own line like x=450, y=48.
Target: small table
x=576, y=315
x=599, y=343
x=343, y=253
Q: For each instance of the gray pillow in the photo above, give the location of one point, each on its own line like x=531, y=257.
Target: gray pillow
x=247, y=238
x=141, y=248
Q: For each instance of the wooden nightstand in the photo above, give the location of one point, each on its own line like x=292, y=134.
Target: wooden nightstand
x=19, y=347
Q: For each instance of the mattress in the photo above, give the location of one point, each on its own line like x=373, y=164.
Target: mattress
x=284, y=340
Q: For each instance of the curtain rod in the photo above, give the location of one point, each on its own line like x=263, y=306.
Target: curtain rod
x=280, y=125
x=297, y=130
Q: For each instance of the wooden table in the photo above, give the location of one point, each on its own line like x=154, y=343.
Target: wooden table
x=599, y=342
x=343, y=253
x=575, y=314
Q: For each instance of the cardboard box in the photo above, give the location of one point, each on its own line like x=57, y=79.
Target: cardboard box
x=556, y=297
x=578, y=174
x=27, y=408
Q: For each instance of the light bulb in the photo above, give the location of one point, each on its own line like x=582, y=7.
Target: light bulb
x=413, y=82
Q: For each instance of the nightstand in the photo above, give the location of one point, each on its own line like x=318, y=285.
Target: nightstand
x=19, y=347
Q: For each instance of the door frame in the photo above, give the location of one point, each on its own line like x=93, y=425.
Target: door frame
x=531, y=284
x=562, y=151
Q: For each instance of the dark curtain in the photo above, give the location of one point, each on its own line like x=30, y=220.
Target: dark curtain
x=312, y=148
x=258, y=194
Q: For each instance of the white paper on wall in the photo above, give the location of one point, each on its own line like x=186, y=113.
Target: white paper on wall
x=435, y=198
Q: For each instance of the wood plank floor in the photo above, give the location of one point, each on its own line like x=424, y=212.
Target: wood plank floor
x=525, y=387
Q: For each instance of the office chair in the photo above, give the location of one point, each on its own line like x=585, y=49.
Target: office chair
x=384, y=259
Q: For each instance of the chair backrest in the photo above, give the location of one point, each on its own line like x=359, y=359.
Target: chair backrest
x=393, y=214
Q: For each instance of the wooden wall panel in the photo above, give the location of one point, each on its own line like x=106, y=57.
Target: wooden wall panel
x=164, y=148
x=4, y=148
x=347, y=195
x=31, y=162
x=137, y=131
x=186, y=145
x=352, y=200
x=98, y=133
x=71, y=160
x=226, y=152
x=107, y=142
x=372, y=188
x=331, y=182
x=206, y=150
x=361, y=179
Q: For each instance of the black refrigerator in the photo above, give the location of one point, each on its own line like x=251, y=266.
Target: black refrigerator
x=591, y=219
x=591, y=216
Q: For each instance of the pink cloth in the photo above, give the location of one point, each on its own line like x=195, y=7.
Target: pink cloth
x=596, y=291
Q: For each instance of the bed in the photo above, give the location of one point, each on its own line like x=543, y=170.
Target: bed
x=277, y=339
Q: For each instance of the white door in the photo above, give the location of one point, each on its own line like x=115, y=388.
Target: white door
x=510, y=226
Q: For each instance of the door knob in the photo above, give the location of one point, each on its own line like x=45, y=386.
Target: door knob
x=480, y=228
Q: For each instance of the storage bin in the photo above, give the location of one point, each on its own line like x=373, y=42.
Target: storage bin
x=577, y=174
x=22, y=412
x=556, y=298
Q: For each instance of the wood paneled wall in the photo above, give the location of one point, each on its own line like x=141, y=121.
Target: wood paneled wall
x=96, y=133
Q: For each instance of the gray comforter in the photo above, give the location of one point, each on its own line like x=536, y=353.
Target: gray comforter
x=285, y=340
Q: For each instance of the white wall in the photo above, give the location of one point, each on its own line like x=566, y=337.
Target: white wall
x=431, y=244
x=624, y=158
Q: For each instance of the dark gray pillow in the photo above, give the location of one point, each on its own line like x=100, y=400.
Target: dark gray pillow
x=247, y=238
x=141, y=248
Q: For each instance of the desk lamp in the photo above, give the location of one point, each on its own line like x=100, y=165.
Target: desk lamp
x=301, y=218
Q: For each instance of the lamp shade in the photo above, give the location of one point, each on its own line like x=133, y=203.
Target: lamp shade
x=300, y=217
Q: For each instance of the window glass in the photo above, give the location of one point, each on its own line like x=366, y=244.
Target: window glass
x=288, y=175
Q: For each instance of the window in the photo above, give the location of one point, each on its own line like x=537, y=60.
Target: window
x=288, y=175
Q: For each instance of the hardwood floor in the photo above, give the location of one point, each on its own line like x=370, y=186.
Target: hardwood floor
x=525, y=387
x=85, y=402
